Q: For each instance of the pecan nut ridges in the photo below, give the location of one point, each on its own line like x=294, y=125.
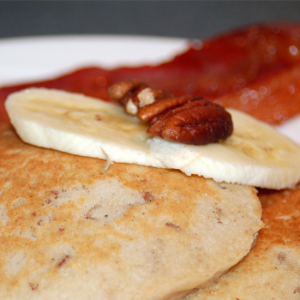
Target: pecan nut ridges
x=189, y=120
x=134, y=94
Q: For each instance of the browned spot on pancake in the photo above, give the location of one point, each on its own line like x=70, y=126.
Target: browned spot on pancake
x=281, y=257
x=98, y=117
x=63, y=261
x=173, y=226
x=33, y=286
x=48, y=201
x=55, y=193
x=89, y=214
x=148, y=196
x=297, y=290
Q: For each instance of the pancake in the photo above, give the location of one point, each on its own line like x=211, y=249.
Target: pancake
x=272, y=269
x=77, y=228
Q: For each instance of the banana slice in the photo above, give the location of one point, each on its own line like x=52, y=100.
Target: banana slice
x=255, y=154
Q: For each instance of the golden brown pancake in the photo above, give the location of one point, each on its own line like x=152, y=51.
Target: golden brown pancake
x=272, y=269
x=74, y=228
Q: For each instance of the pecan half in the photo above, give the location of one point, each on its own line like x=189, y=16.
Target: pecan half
x=188, y=119
x=134, y=94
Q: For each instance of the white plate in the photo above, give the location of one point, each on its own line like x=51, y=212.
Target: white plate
x=37, y=58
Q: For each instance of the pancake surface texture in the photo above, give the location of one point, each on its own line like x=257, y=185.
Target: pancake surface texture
x=71, y=228
x=272, y=269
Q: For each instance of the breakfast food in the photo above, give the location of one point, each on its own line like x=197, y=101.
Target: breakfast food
x=73, y=229
x=77, y=227
x=255, y=154
x=253, y=69
x=272, y=268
